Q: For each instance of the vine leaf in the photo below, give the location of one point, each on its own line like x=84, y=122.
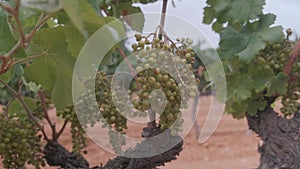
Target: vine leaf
x=252, y=38
x=239, y=87
x=233, y=11
x=54, y=71
x=7, y=40
x=255, y=105
x=16, y=106
x=47, y=6
x=74, y=39
x=262, y=78
x=278, y=84
x=74, y=9
x=96, y=4
x=236, y=108
x=125, y=8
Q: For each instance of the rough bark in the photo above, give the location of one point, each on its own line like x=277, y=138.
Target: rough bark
x=57, y=155
x=281, y=139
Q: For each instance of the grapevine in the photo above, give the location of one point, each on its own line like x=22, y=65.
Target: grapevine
x=41, y=43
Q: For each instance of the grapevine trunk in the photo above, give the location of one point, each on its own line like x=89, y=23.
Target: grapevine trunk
x=281, y=139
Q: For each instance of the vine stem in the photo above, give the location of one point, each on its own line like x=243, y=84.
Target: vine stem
x=61, y=130
x=30, y=58
x=152, y=113
x=133, y=72
x=8, y=9
x=163, y=18
x=24, y=39
x=55, y=135
x=24, y=105
x=39, y=24
x=46, y=115
x=19, y=24
x=293, y=58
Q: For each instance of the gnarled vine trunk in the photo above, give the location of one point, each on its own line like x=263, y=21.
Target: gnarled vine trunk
x=57, y=155
x=281, y=139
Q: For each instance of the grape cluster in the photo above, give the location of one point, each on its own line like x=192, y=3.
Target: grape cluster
x=291, y=100
x=20, y=142
x=77, y=131
x=110, y=116
x=110, y=113
x=275, y=57
x=166, y=66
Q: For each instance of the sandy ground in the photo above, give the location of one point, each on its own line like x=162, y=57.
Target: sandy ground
x=232, y=146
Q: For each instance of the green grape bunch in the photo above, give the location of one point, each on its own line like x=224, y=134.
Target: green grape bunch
x=163, y=81
x=274, y=57
x=20, y=141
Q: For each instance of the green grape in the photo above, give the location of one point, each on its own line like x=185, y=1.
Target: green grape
x=20, y=141
x=177, y=60
x=275, y=57
x=77, y=130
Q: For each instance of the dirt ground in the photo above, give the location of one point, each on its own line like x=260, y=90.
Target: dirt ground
x=232, y=146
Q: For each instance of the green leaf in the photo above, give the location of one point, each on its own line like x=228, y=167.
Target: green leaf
x=242, y=93
x=54, y=71
x=73, y=9
x=74, y=39
x=92, y=22
x=108, y=1
x=217, y=26
x=18, y=71
x=136, y=22
x=236, y=108
x=244, y=10
x=47, y=6
x=239, y=87
x=232, y=11
x=261, y=78
x=42, y=71
x=84, y=17
x=7, y=41
x=278, y=85
x=209, y=15
x=250, y=39
x=7, y=76
x=255, y=105
x=16, y=106
x=95, y=4
x=31, y=86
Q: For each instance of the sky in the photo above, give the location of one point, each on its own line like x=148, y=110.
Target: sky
x=287, y=11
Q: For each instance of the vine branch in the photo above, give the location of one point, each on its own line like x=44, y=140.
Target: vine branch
x=39, y=24
x=6, y=8
x=163, y=18
x=30, y=58
x=133, y=72
x=19, y=24
x=61, y=130
x=293, y=58
x=46, y=115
